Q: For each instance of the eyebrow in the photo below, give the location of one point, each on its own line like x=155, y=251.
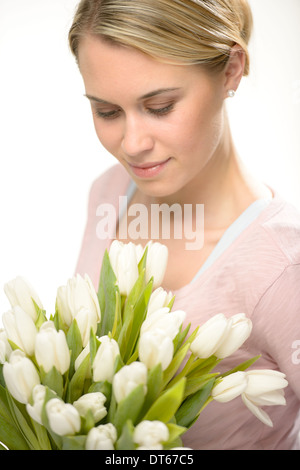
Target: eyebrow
x=147, y=95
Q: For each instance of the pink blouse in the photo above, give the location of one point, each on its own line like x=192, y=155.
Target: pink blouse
x=258, y=274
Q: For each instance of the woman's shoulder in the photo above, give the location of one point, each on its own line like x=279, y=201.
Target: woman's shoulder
x=281, y=227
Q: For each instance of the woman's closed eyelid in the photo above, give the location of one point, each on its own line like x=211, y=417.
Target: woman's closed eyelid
x=156, y=109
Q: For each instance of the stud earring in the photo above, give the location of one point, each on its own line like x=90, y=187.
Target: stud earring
x=231, y=93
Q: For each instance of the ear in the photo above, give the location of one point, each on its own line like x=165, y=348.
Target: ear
x=234, y=69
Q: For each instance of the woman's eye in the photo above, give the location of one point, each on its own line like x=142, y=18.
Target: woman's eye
x=107, y=114
x=161, y=110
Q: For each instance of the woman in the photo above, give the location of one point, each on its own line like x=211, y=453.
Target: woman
x=157, y=74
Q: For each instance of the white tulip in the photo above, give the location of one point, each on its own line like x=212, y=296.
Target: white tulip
x=229, y=387
x=20, y=376
x=265, y=388
x=128, y=378
x=5, y=349
x=123, y=259
x=94, y=402
x=20, y=293
x=63, y=418
x=163, y=319
x=101, y=437
x=51, y=348
x=158, y=299
x=86, y=320
x=210, y=336
x=20, y=329
x=156, y=263
x=150, y=433
x=38, y=398
x=79, y=293
x=156, y=347
x=239, y=332
x=103, y=365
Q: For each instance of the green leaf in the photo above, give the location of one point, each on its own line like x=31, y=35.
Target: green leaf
x=129, y=408
x=41, y=315
x=117, y=326
x=52, y=379
x=2, y=381
x=20, y=416
x=243, y=366
x=125, y=442
x=134, y=294
x=196, y=383
x=154, y=384
x=94, y=344
x=174, y=432
x=176, y=362
x=165, y=407
x=133, y=322
x=73, y=442
x=74, y=342
x=178, y=340
x=107, y=296
x=11, y=437
x=191, y=407
x=42, y=435
x=76, y=385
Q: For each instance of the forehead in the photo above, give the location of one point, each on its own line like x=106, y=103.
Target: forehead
x=110, y=68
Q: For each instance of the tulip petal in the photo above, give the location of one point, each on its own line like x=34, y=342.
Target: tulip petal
x=258, y=412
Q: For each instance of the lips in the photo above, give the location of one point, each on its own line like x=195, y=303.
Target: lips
x=150, y=169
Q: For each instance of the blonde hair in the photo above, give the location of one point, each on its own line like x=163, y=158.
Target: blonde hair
x=187, y=32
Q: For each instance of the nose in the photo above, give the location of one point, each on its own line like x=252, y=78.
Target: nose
x=137, y=138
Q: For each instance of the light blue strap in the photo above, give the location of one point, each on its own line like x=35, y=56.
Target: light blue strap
x=235, y=229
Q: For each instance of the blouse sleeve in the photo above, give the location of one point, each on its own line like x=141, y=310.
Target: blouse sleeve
x=277, y=324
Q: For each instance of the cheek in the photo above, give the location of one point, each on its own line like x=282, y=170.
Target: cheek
x=107, y=135
x=204, y=127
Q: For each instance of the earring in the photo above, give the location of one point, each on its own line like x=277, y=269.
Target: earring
x=231, y=93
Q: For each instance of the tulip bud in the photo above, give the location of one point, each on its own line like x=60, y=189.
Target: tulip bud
x=38, y=398
x=102, y=437
x=20, y=293
x=156, y=347
x=94, y=402
x=239, y=331
x=264, y=388
x=128, y=378
x=20, y=376
x=51, y=348
x=20, y=329
x=5, y=349
x=103, y=365
x=123, y=259
x=156, y=264
x=86, y=320
x=150, y=433
x=210, y=336
x=163, y=319
x=63, y=418
x=79, y=293
x=158, y=299
x=229, y=387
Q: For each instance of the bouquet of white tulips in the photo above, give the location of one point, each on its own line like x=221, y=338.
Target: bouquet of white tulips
x=115, y=369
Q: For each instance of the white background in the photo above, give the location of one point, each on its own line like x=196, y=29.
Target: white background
x=49, y=153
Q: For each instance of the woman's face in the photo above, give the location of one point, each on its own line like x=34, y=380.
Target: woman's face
x=162, y=122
